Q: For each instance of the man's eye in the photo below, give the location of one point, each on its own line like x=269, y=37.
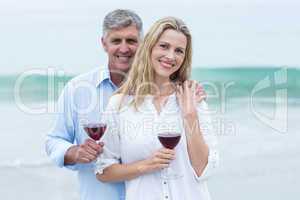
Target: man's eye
x=116, y=41
x=131, y=41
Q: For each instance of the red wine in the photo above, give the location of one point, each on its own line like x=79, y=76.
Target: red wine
x=169, y=140
x=95, y=131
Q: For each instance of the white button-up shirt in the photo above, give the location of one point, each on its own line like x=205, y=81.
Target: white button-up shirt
x=132, y=135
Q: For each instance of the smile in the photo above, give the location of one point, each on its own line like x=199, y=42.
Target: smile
x=167, y=65
x=123, y=58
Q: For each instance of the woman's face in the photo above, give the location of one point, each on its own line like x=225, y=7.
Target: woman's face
x=168, y=53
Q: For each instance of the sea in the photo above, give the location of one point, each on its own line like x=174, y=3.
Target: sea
x=255, y=113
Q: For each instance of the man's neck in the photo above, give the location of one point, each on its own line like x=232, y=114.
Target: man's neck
x=117, y=79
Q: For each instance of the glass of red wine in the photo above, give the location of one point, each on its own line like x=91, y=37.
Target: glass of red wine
x=169, y=140
x=95, y=130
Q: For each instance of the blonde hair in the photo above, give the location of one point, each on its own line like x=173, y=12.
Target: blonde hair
x=140, y=80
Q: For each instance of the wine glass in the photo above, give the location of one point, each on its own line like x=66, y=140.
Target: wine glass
x=169, y=140
x=95, y=130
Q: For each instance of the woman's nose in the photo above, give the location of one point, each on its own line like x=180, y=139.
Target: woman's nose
x=170, y=55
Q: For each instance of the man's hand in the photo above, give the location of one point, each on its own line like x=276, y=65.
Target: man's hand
x=83, y=153
x=200, y=93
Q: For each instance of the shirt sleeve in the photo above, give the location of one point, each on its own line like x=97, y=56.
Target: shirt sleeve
x=111, y=152
x=62, y=135
x=206, y=126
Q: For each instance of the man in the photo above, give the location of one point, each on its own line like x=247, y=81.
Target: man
x=85, y=97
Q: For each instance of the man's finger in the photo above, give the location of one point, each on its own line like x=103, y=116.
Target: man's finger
x=94, y=145
x=83, y=156
x=84, y=160
x=92, y=151
x=101, y=144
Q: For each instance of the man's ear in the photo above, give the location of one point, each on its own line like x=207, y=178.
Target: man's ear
x=103, y=42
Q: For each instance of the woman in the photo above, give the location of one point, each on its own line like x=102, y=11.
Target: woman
x=158, y=97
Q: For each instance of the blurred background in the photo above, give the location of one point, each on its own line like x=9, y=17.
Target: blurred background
x=246, y=54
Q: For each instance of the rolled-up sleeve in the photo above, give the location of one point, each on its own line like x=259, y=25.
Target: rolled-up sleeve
x=62, y=135
x=210, y=137
x=111, y=153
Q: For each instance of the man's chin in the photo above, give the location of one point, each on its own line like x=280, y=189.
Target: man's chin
x=123, y=67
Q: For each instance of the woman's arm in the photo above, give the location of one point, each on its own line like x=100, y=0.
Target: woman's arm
x=198, y=150
x=122, y=172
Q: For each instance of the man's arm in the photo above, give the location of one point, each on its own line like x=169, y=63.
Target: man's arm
x=62, y=136
x=60, y=141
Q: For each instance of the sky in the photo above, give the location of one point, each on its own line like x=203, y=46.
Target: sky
x=65, y=34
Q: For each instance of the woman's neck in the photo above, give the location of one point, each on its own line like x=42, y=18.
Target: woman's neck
x=163, y=87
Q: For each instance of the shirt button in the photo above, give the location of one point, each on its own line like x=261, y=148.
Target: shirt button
x=166, y=197
x=165, y=182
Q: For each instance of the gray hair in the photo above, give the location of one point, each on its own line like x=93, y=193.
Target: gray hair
x=121, y=18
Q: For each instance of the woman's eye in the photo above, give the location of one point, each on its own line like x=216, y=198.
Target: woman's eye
x=163, y=46
x=179, y=51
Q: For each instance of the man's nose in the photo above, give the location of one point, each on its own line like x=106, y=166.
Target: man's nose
x=124, y=48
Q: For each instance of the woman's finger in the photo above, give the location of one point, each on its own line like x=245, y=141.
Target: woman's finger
x=162, y=161
x=181, y=89
x=167, y=151
x=191, y=83
x=193, y=86
x=186, y=85
x=178, y=89
x=165, y=156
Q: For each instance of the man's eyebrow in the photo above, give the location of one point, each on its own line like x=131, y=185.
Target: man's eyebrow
x=115, y=38
x=132, y=38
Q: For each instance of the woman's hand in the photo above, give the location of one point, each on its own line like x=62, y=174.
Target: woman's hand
x=120, y=172
x=159, y=160
x=188, y=97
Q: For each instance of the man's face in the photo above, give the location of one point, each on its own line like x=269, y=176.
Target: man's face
x=121, y=45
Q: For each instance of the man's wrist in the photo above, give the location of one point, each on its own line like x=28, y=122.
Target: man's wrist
x=70, y=155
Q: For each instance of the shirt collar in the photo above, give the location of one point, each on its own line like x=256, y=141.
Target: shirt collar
x=102, y=74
